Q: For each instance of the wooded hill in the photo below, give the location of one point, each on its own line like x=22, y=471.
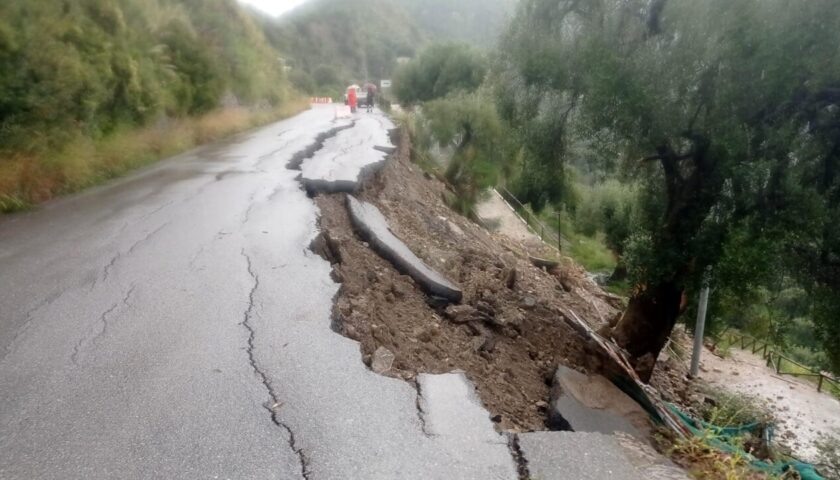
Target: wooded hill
x=76, y=73
x=332, y=42
x=92, y=65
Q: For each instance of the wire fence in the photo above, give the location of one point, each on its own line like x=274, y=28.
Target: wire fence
x=550, y=236
x=782, y=364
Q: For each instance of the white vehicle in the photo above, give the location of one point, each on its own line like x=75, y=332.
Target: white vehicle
x=361, y=95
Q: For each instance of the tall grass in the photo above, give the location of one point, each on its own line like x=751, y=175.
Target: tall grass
x=588, y=250
x=29, y=179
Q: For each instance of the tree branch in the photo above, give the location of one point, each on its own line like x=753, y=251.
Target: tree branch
x=654, y=18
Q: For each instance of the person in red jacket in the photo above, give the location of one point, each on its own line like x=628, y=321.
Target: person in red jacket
x=352, y=99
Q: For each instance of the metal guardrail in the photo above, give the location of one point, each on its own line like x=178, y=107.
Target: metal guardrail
x=776, y=360
x=547, y=234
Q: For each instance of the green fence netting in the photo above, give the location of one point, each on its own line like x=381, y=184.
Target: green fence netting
x=721, y=439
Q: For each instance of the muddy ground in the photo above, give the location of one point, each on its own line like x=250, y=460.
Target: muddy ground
x=509, y=335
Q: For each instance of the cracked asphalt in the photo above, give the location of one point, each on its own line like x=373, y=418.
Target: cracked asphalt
x=174, y=324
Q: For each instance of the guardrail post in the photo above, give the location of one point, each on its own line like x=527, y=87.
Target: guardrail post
x=700, y=326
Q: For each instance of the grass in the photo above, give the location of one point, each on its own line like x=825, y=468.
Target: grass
x=700, y=454
x=27, y=180
x=591, y=252
x=732, y=410
x=703, y=461
x=622, y=288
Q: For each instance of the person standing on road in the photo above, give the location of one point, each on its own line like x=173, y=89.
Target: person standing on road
x=352, y=98
x=371, y=93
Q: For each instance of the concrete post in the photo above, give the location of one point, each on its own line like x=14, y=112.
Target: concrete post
x=700, y=328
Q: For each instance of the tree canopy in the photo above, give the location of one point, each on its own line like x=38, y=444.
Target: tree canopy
x=727, y=113
x=440, y=70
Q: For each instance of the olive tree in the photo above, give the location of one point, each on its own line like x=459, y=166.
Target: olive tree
x=726, y=110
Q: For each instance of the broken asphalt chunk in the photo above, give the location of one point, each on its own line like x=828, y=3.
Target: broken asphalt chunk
x=373, y=226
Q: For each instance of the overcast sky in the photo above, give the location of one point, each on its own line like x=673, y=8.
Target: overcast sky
x=274, y=7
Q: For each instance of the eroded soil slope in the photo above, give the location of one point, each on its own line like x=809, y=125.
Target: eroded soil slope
x=509, y=333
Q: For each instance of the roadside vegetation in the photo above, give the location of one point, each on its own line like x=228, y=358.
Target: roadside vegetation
x=91, y=89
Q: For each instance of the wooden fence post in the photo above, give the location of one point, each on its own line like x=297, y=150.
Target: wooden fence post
x=819, y=385
x=778, y=363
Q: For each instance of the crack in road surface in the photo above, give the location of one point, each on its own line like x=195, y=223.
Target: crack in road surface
x=308, y=152
x=103, y=320
x=518, y=457
x=421, y=415
x=274, y=403
x=106, y=272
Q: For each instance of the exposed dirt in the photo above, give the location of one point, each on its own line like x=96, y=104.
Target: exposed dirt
x=508, y=334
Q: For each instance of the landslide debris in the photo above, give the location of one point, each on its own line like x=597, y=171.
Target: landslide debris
x=508, y=333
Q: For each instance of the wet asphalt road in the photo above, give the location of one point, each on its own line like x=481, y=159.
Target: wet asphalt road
x=173, y=324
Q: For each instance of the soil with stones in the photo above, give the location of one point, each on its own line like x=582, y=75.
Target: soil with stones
x=509, y=334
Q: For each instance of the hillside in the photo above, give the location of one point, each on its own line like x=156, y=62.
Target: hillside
x=331, y=42
x=478, y=22
x=86, y=70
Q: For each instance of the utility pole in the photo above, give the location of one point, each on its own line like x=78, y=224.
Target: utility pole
x=700, y=326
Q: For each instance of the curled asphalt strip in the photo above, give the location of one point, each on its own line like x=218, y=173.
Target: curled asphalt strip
x=373, y=226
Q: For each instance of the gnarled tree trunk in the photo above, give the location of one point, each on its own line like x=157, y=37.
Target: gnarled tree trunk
x=652, y=312
x=646, y=324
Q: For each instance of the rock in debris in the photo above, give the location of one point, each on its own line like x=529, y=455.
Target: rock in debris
x=383, y=360
x=591, y=403
x=327, y=248
x=544, y=263
x=462, y=313
x=528, y=303
x=485, y=308
x=510, y=278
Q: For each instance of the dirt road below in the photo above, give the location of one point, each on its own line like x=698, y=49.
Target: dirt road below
x=804, y=414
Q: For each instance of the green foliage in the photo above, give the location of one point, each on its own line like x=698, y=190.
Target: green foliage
x=726, y=113
x=731, y=410
x=87, y=86
x=440, y=70
x=303, y=81
x=606, y=207
x=477, y=22
x=468, y=124
x=592, y=253
x=88, y=67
